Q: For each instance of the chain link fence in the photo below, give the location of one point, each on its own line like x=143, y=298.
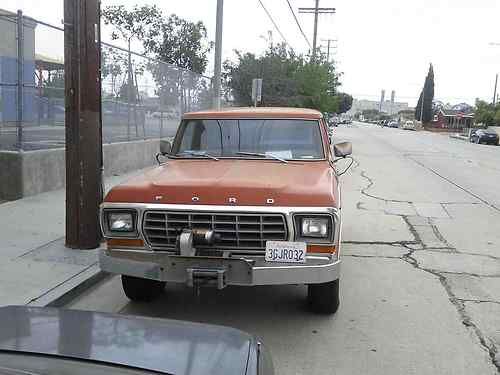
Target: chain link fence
x=142, y=98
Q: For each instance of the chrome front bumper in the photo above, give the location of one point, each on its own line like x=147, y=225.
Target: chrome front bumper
x=247, y=270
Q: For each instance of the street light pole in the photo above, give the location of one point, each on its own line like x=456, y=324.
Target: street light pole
x=218, y=54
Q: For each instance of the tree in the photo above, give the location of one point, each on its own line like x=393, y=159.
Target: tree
x=344, y=102
x=114, y=65
x=53, y=87
x=424, y=111
x=486, y=113
x=132, y=24
x=288, y=80
x=176, y=42
x=181, y=43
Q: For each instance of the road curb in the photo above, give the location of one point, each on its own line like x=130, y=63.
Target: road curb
x=71, y=288
x=461, y=137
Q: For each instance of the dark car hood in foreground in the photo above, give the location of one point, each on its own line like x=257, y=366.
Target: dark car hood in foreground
x=169, y=346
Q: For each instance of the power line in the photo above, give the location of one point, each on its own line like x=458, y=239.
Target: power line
x=298, y=24
x=274, y=23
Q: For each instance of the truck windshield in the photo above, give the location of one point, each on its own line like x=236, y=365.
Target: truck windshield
x=282, y=138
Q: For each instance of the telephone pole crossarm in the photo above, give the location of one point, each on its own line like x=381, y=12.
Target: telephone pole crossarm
x=316, y=11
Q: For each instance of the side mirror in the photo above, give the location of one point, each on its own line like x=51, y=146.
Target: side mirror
x=165, y=147
x=342, y=149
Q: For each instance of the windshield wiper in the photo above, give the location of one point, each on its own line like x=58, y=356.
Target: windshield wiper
x=198, y=153
x=262, y=155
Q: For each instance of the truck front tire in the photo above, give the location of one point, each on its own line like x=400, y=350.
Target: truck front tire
x=324, y=298
x=142, y=290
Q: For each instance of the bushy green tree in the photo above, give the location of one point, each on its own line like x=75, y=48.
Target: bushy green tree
x=487, y=113
x=288, y=80
x=344, y=102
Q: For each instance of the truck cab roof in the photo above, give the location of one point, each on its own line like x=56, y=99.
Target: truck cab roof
x=256, y=112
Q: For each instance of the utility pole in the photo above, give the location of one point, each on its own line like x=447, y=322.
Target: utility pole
x=20, y=78
x=316, y=7
x=218, y=54
x=83, y=122
x=422, y=105
x=495, y=90
x=328, y=41
x=316, y=11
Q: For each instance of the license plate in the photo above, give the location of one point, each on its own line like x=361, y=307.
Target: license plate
x=286, y=251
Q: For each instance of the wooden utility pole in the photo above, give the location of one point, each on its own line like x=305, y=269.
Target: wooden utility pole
x=83, y=122
x=328, y=41
x=495, y=90
x=316, y=11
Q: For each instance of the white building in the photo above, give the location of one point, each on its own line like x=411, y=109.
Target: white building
x=359, y=105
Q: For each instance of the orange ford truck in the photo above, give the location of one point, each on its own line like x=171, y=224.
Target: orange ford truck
x=242, y=196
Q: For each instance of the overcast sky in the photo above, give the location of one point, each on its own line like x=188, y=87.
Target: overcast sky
x=384, y=44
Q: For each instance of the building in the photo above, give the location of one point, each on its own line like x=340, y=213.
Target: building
x=359, y=105
x=8, y=67
x=455, y=119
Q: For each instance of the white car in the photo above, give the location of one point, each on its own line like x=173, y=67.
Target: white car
x=409, y=125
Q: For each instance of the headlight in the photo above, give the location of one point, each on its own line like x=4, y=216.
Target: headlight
x=120, y=223
x=314, y=227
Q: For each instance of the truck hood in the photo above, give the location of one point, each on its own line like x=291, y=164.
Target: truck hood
x=232, y=182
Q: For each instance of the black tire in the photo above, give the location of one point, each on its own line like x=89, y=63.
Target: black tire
x=142, y=290
x=478, y=141
x=324, y=298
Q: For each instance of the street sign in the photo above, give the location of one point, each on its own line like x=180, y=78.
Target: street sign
x=256, y=90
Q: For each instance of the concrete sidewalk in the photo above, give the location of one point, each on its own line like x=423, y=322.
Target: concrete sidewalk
x=35, y=267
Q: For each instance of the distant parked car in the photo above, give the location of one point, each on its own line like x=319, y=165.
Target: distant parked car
x=333, y=121
x=409, y=125
x=393, y=124
x=71, y=342
x=486, y=136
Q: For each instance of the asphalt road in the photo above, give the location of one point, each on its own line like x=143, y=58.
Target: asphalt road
x=37, y=137
x=420, y=283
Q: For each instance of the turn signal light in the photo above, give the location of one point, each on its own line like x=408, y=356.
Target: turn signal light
x=124, y=242
x=321, y=249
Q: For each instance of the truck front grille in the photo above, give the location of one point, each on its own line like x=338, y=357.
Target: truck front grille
x=237, y=231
